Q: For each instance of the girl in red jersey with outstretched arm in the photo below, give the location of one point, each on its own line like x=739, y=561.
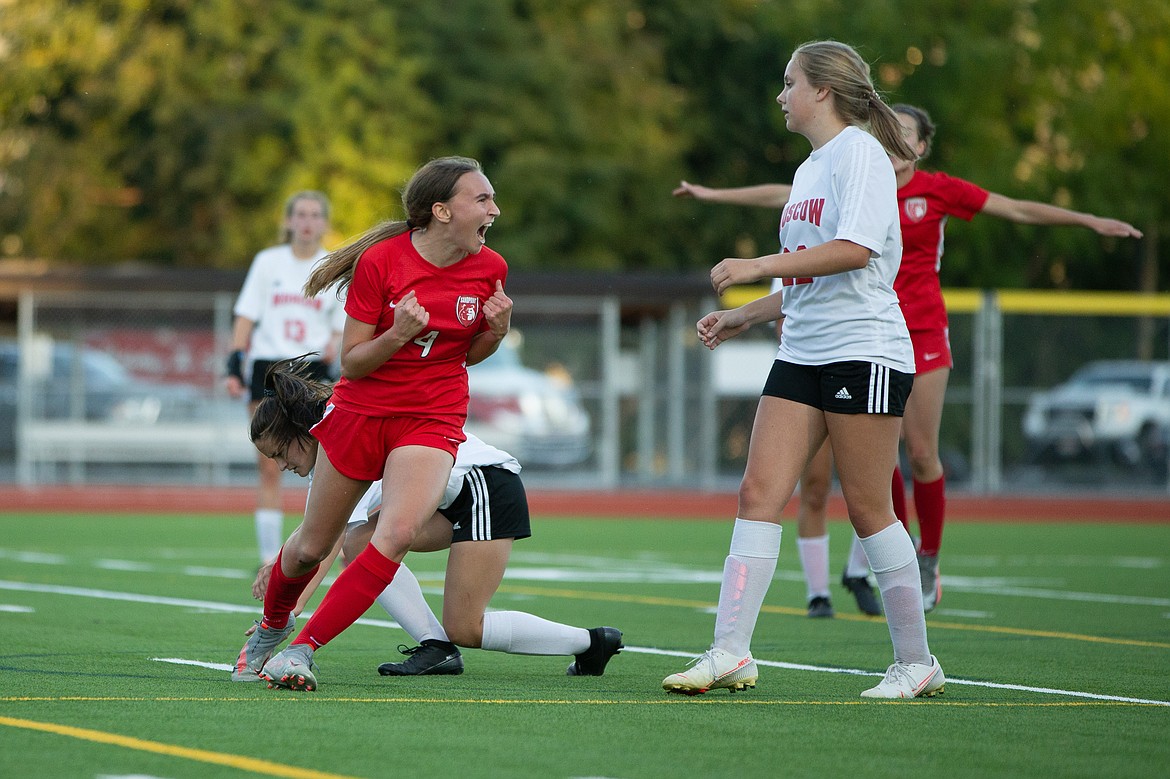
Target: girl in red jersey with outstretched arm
x=925, y=201
x=425, y=300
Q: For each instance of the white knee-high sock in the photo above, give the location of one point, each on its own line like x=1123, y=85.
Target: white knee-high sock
x=858, y=564
x=814, y=559
x=525, y=634
x=404, y=602
x=747, y=573
x=269, y=532
x=895, y=566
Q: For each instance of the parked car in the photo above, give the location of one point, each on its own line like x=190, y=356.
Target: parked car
x=1118, y=409
x=537, y=417
x=86, y=385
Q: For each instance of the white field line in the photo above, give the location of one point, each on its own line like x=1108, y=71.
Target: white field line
x=801, y=667
x=612, y=571
x=950, y=680
x=82, y=592
x=133, y=597
x=200, y=663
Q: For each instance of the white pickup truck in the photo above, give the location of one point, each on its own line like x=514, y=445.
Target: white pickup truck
x=1110, y=408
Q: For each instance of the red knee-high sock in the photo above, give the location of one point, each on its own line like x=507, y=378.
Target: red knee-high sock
x=282, y=594
x=930, y=502
x=898, y=490
x=354, y=591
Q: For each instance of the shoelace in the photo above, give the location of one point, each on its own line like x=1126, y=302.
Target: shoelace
x=705, y=656
x=408, y=650
x=899, y=671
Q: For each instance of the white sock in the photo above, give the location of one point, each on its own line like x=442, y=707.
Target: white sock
x=404, y=602
x=269, y=532
x=895, y=566
x=747, y=573
x=858, y=564
x=814, y=559
x=518, y=633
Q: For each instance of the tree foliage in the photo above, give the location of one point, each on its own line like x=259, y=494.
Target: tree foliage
x=171, y=131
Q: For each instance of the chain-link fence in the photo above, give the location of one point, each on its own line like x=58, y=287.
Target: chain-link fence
x=591, y=392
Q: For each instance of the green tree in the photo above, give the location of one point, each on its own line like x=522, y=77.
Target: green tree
x=172, y=131
x=1041, y=100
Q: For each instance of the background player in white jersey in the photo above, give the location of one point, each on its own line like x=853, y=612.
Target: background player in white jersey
x=483, y=511
x=843, y=372
x=274, y=321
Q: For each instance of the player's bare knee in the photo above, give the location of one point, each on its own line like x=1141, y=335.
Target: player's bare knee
x=303, y=556
x=758, y=498
x=464, y=633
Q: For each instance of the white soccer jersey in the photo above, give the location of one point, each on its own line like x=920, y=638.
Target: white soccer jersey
x=472, y=453
x=287, y=323
x=845, y=190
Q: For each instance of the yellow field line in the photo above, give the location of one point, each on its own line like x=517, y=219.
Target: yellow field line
x=171, y=750
x=694, y=604
x=279, y=770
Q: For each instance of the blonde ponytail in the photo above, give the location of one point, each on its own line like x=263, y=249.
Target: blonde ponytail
x=337, y=267
x=840, y=69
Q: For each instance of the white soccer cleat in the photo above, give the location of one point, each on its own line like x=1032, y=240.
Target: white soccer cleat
x=292, y=669
x=262, y=642
x=712, y=670
x=909, y=680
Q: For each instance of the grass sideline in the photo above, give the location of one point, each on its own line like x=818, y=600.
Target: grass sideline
x=1056, y=639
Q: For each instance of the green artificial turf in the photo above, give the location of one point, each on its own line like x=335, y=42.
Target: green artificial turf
x=1053, y=637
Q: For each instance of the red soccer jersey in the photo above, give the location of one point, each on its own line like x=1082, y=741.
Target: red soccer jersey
x=428, y=375
x=924, y=204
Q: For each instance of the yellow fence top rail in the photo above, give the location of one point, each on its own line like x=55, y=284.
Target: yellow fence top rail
x=1019, y=301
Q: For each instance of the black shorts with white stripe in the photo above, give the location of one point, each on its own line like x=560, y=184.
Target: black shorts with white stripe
x=851, y=387
x=492, y=504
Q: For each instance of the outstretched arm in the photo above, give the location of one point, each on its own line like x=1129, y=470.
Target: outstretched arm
x=763, y=195
x=1035, y=213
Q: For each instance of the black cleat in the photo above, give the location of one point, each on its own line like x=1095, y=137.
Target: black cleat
x=867, y=600
x=431, y=657
x=820, y=606
x=604, y=643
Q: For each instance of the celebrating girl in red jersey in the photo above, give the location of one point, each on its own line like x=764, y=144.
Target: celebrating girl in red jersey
x=925, y=202
x=425, y=300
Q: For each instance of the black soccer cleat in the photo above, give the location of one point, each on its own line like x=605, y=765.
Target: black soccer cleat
x=867, y=599
x=604, y=643
x=820, y=607
x=432, y=657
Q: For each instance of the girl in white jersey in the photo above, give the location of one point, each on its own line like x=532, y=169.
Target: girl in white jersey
x=484, y=505
x=843, y=371
x=274, y=321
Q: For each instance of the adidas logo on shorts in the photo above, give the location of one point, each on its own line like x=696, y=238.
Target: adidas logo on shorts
x=843, y=394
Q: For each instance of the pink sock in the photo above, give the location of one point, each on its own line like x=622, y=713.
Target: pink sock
x=282, y=594
x=355, y=590
x=930, y=502
x=898, y=490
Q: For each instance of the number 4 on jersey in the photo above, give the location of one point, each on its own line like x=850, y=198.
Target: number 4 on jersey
x=426, y=342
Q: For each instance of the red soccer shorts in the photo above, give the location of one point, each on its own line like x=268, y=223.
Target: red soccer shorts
x=358, y=445
x=932, y=350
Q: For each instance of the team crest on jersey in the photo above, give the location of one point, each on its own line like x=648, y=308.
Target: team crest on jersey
x=467, y=310
x=915, y=208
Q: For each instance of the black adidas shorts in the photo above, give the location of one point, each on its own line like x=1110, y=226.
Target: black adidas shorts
x=492, y=504
x=852, y=387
